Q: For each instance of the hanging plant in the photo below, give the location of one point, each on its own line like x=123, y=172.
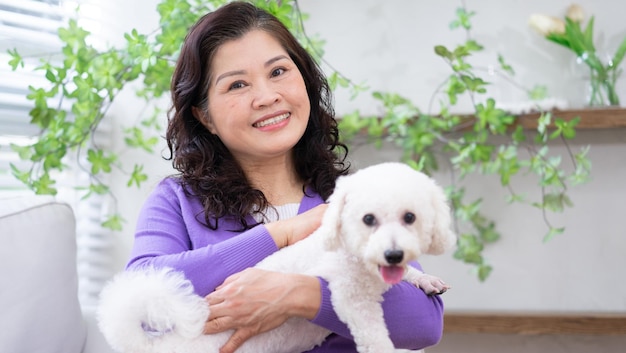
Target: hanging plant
x=487, y=141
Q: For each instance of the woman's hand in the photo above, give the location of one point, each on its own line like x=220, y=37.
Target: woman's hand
x=292, y=230
x=254, y=301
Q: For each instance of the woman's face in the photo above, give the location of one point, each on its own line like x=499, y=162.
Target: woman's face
x=258, y=103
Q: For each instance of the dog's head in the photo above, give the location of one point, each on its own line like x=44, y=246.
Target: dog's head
x=388, y=214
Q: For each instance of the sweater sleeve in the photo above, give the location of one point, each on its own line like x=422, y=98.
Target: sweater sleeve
x=414, y=319
x=170, y=234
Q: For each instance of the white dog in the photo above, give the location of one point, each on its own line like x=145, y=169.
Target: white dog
x=378, y=219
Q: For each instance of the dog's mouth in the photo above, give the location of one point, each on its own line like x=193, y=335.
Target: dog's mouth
x=391, y=274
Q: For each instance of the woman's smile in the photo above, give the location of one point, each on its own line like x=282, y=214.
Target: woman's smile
x=271, y=121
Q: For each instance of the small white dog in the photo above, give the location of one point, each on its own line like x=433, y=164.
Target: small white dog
x=378, y=219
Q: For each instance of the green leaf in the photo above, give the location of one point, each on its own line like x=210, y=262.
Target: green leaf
x=544, y=120
x=588, y=35
x=483, y=272
x=462, y=19
x=619, y=54
x=556, y=202
x=135, y=137
x=472, y=45
x=504, y=66
x=23, y=176
x=519, y=134
x=114, y=223
x=538, y=92
x=24, y=152
x=100, y=162
x=469, y=249
x=99, y=189
x=552, y=233
x=443, y=52
x=44, y=185
x=16, y=59
x=576, y=38
x=137, y=176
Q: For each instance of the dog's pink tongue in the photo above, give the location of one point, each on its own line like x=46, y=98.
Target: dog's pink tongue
x=392, y=274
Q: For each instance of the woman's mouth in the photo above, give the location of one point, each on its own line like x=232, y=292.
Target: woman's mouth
x=271, y=121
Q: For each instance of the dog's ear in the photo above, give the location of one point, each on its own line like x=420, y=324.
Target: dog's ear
x=331, y=222
x=443, y=237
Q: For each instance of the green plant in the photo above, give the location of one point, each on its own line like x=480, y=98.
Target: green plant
x=570, y=34
x=487, y=141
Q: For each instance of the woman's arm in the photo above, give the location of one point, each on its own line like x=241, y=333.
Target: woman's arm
x=170, y=233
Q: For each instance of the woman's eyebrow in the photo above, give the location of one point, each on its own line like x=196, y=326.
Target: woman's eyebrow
x=241, y=72
x=275, y=59
x=229, y=73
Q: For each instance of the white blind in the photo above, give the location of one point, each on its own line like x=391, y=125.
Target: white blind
x=30, y=26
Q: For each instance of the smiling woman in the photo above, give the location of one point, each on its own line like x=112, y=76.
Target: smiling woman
x=252, y=133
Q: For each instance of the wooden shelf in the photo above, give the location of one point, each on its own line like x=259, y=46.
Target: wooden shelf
x=590, y=118
x=526, y=323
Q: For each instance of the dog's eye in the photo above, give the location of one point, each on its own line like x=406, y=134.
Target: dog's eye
x=409, y=218
x=369, y=219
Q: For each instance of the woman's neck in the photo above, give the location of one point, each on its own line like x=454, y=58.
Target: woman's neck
x=278, y=181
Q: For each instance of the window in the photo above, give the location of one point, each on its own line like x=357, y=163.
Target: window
x=30, y=26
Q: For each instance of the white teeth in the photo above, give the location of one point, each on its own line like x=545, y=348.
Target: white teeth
x=271, y=121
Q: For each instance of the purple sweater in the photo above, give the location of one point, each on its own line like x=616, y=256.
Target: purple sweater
x=170, y=233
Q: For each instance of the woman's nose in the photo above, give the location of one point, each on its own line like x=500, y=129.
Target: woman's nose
x=264, y=95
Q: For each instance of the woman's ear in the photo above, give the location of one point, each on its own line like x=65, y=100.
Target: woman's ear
x=203, y=117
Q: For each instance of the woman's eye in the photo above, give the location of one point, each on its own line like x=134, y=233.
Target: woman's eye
x=277, y=72
x=236, y=85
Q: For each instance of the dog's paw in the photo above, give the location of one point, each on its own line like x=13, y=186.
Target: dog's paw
x=431, y=285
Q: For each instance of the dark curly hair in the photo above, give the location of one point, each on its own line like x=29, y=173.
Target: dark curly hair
x=207, y=168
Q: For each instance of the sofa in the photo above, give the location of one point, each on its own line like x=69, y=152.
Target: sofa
x=38, y=280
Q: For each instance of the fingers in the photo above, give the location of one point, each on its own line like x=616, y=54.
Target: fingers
x=216, y=325
x=213, y=299
x=236, y=340
x=218, y=321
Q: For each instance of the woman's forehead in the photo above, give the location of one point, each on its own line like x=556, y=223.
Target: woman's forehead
x=256, y=47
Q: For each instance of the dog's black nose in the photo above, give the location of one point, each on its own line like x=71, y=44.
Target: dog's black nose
x=394, y=256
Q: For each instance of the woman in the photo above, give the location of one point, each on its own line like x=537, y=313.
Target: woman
x=253, y=135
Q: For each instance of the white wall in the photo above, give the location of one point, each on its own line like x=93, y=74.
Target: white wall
x=389, y=44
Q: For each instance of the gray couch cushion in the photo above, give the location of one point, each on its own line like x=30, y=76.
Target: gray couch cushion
x=39, y=308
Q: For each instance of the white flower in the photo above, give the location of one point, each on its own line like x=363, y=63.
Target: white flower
x=545, y=24
x=575, y=13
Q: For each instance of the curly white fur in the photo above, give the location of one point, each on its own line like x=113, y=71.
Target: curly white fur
x=369, y=216
x=140, y=310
